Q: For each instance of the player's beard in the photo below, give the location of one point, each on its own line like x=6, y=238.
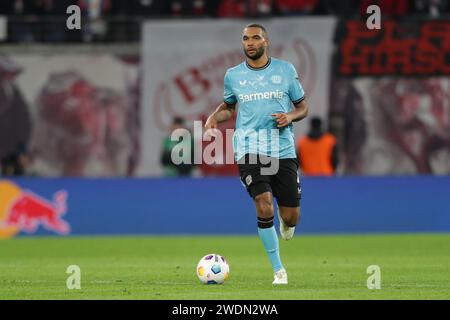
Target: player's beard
x=258, y=54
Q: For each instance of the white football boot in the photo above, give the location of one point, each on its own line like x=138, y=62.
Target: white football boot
x=280, y=277
x=287, y=233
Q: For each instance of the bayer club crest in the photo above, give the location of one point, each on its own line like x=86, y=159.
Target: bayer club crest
x=276, y=79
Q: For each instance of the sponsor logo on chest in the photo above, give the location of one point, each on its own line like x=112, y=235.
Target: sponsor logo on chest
x=261, y=96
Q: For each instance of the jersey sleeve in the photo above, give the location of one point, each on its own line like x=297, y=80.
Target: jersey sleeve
x=228, y=95
x=296, y=92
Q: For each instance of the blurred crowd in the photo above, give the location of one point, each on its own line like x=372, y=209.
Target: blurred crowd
x=222, y=8
x=120, y=20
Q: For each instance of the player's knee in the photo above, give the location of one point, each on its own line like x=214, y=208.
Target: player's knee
x=264, y=205
x=291, y=216
x=265, y=210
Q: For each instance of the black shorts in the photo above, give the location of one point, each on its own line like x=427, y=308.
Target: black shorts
x=284, y=184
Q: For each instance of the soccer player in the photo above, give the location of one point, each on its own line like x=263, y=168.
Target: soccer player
x=270, y=98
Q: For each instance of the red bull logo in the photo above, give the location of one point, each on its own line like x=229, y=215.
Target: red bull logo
x=23, y=210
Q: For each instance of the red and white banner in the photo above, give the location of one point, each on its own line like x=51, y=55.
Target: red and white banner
x=184, y=63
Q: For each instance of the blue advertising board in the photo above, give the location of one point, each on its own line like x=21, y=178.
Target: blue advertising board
x=218, y=206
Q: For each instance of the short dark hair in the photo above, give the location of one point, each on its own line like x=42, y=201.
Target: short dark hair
x=316, y=123
x=257, y=25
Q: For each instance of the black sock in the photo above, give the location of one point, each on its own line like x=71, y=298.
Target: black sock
x=265, y=223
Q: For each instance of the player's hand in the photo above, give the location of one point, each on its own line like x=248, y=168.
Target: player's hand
x=211, y=126
x=283, y=119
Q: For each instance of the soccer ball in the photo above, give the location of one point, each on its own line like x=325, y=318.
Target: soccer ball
x=213, y=269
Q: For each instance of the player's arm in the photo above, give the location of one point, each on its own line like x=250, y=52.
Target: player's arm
x=297, y=96
x=222, y=113
x=300, y=112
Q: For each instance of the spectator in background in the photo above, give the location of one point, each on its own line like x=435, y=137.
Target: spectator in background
x=179, y=8
x=170, y=168
x=259, y=8
x=198, y=8
x=15, y=164
x=94, y=12
x=433, y=8
x=317, y=152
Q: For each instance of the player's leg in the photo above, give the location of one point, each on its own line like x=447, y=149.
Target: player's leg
x=266, y=229
x=287, y=190
x=268, y=235
x=259, y=189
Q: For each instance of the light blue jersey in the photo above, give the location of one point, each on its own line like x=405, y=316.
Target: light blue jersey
x=260, y=93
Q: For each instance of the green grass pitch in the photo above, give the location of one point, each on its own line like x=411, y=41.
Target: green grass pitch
x=413, y=266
